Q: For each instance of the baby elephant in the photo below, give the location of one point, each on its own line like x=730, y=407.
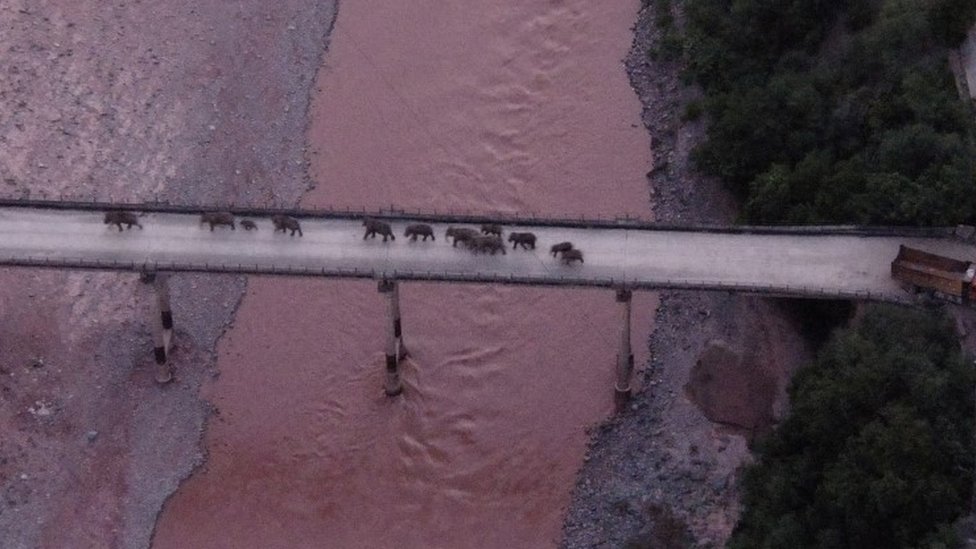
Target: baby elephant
x=218, y=218
x=526, y=240
x=375, y=227
x=419, y=229
x=460, y=234
x=561, y=248
x=249, y=225
x=570, y=256
x=487, y=244
x=492, y=229
x=285, y=223
x=122, y=218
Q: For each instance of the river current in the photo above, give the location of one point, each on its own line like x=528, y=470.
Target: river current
x=500, y=106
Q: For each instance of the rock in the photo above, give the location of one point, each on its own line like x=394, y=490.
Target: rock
x=40, y=409
x=90, y=436
x=965, y=232
x=730, y=388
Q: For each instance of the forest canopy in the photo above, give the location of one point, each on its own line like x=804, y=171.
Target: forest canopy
x=835, y=111
x=878, y=448
x=846, y=111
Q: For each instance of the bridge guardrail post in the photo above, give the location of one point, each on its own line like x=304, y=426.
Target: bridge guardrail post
x=392, y=385
x=625, y=355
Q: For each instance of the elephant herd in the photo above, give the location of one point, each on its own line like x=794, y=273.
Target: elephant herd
x=487, y=240
x=281, y=223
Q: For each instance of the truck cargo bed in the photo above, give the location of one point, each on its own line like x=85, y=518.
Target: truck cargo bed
x=928, y=271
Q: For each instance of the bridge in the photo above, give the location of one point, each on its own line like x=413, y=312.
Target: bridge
x=623, y=254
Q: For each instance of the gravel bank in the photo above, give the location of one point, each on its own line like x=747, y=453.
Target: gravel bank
x=178, y=101
x=661, y=472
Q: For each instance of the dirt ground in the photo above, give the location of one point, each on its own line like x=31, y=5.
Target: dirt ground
x=172, y=100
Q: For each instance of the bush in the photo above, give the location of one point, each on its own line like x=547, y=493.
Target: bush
x=950, y=19
x=671, y=46
x=662, y=14
x=878, y=448
x=693, y=111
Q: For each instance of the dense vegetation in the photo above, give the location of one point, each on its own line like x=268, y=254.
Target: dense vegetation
x=836, y=111
x=845, y=111
x=878, y=449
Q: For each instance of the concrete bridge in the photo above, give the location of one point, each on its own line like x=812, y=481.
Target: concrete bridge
x=624, y=255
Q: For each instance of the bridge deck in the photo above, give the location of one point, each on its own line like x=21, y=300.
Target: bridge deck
x=788, y=264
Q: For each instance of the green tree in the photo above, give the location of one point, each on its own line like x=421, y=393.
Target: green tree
x=863, y=127
x=878, y=448
x=950, y=19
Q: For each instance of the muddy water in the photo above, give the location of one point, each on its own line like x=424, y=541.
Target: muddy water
x=500, y=106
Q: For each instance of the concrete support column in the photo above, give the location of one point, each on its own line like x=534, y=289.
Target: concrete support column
x=162, y=329
x=625, y=356
x=397, y=326
x=392, y=385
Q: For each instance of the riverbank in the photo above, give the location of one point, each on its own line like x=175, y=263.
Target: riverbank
x=125, y=102
x=130, y=102
x=499, y=107
x=663, y=471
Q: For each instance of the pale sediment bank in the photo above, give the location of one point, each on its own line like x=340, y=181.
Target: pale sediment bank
x=178, y=101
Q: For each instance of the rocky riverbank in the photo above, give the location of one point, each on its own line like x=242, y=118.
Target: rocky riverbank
x=663, y=473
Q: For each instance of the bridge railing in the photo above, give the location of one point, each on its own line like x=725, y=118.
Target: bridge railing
x=467, y=217
x=454, y=277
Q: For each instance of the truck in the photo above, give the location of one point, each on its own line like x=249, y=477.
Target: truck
x=943, y=277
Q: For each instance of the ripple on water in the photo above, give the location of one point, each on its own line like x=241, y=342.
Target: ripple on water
x=496, y=106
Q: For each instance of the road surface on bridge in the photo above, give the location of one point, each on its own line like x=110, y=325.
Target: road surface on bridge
x=788, y=264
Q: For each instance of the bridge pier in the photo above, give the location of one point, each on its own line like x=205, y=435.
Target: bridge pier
x=397, y=325
x=625, y=356
x=395, y=351
x=162, y=329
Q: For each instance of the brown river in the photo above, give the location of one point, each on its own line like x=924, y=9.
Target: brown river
x=500, y=106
